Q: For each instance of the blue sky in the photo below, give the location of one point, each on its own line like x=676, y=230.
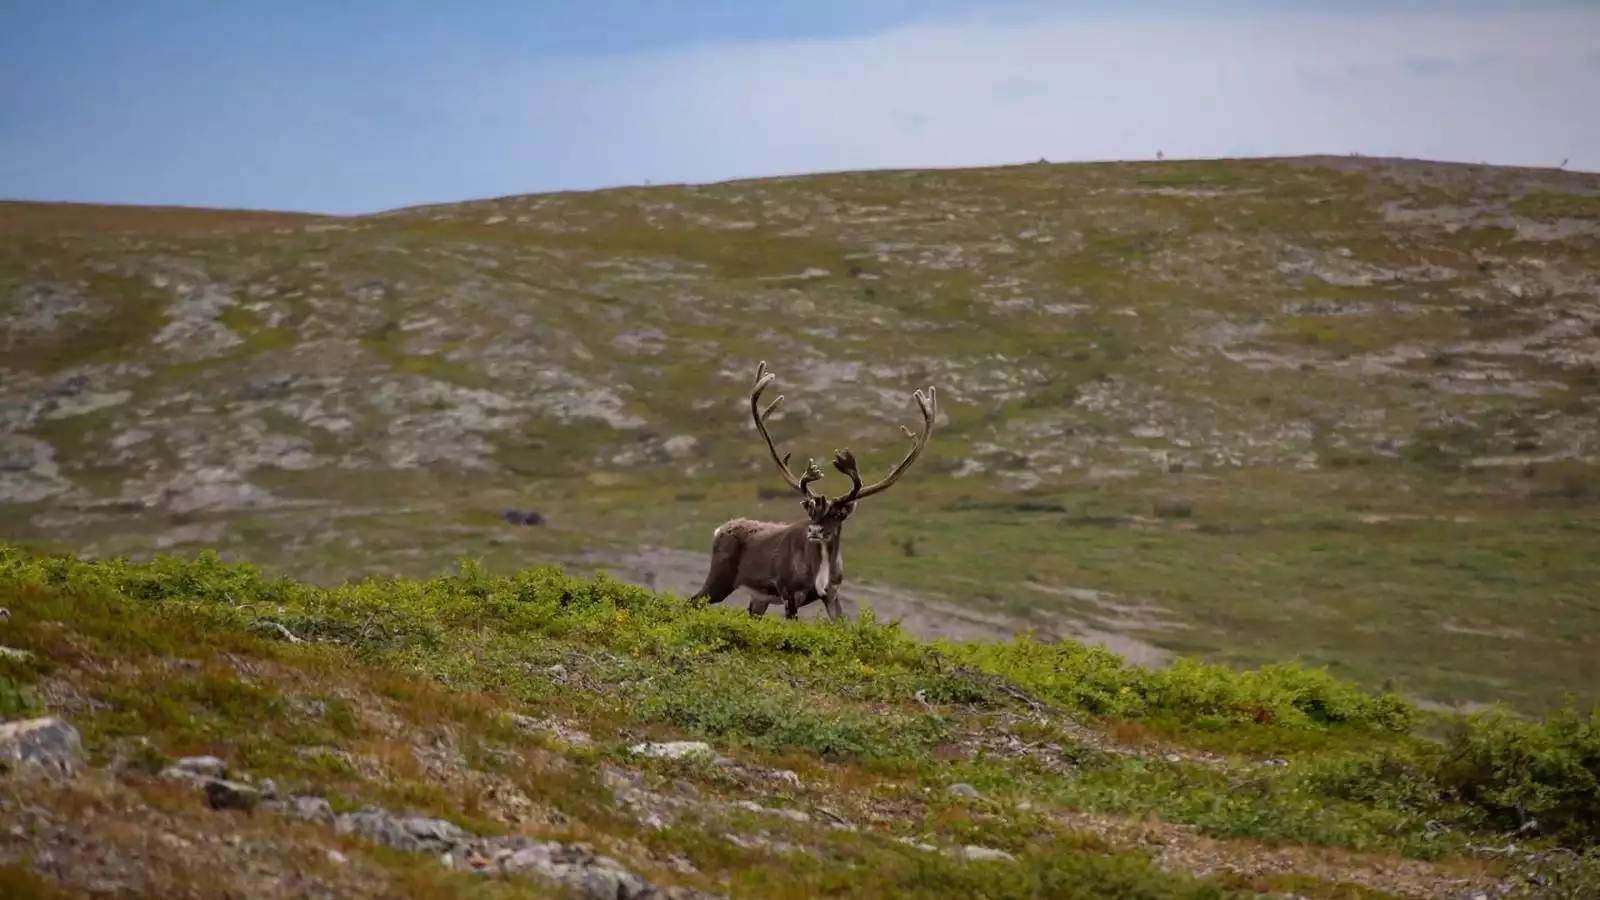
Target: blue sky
x=358, y=106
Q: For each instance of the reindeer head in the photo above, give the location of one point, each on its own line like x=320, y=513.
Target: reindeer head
x=828, y=516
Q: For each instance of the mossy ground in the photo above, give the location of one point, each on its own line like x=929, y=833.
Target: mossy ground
x=1101, y=778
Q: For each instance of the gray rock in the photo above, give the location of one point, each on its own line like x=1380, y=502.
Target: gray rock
x=681, y=446
x=672, y=749
x=28, y=470
x=573, y=866
x=65, y=406
x=793, y=815
x=604, y=883
x=39, y=307
x=195, y=533
x=209, y=766
x=49, y=745
x=964, y=790
x=413, y=833
x=984, y=854
x=560, y=731
x=210, y=488
x=309, y=809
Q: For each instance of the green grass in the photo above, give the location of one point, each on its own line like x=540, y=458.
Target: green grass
x=1477, y=601
x=1547, y=206
x=188, y=656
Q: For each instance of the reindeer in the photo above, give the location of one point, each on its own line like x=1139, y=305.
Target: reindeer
x=798, y=563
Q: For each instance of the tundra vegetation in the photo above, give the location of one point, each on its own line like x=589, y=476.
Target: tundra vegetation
x=532, y=732
x=1256, y=485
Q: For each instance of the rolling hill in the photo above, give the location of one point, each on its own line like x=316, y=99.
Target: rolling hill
x=1339, y=410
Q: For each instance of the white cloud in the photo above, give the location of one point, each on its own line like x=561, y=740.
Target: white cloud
x=1503, y=87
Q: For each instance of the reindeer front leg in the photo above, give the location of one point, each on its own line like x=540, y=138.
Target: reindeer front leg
x=830, y=595
x=830, y=603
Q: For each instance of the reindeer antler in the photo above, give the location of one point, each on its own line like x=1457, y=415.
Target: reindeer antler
x=845, y=461
x=812, y=473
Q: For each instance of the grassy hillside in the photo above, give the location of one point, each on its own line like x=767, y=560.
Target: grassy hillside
x=521, y=736
x=1336, y=410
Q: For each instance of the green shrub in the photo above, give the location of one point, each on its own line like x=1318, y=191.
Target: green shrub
x=1539, y=777
x=777, y=685
x=1560, y=875
x=397, y=615
x=717, y=703
x=1534, y=779
x=17, y=700
x=1094, y=679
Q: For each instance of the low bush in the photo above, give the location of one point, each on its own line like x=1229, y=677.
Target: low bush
x=781, y=686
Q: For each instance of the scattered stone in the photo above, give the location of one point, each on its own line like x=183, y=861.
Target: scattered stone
x=415, y=834
x=573, y=866
x=38, y=308
x=975, y=853
x=28, y=470
x=306, y=808
x=560, y=731
x=766, y=773
x=50, y=745
x=197, y=766
x=680, y=446
x=672, y=749
x=793, y=815
x=649, y=809
x=210, y=488
x=194, y=533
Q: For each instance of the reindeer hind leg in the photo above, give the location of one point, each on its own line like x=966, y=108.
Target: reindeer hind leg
x=722, y=577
